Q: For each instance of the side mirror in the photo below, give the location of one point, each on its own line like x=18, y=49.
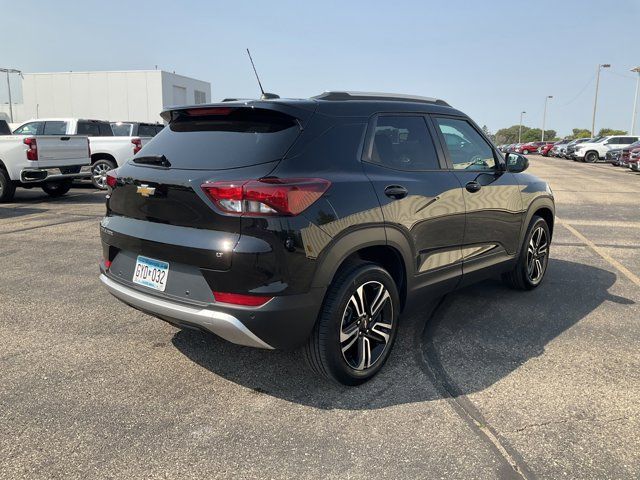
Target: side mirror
x=516, y=163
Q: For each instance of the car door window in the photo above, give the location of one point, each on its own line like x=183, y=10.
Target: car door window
x=467, y=149
x=31, y=128
x=55, y=128
x=403, y=142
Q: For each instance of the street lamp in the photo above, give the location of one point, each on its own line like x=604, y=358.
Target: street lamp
x=544, y=115
x=595, y=101
x=520, y=127
x=635, y=101
x=8, y=71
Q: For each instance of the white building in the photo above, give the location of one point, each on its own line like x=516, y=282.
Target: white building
x=138, y=95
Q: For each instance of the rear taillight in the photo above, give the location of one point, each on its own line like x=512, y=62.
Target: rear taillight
x=107, y=264
x=137, y=145
x=268, y=196
x=32, y=148
x=112, y=179
x=239, y=299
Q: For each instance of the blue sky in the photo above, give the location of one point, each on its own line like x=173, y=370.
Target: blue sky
x=489, y=59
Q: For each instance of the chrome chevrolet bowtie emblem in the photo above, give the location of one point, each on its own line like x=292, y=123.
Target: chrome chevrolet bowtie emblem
x=145, y=190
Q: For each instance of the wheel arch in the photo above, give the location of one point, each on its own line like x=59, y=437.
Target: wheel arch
x=543, y=207
x=102, y=156
x=369, y=244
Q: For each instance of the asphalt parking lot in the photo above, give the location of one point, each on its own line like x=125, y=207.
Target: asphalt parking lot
x=486, y=383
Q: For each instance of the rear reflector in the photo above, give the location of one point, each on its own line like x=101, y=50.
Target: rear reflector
x=238, y=299
x=268, y=196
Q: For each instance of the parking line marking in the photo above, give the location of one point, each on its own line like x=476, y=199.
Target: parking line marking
x=612, y=261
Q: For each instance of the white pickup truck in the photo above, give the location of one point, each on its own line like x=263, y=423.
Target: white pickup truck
x=107, y=151
x=51, y=162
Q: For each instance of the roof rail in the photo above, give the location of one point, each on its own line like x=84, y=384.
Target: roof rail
x=391, y=97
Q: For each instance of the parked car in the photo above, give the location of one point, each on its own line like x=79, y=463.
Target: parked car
x=527, y=148
x=4, y=128
x=613, y=157
x=571, y=147
x=271, y=224
x=625, y=154
x=545, y=150
x=596, y=149
x=136, y=129
x=557, y=150
x=634, y=160
x=107, y=150
x=50, y=162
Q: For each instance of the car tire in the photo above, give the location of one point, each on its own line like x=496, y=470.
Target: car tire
x=99, y=171
x=349, y=343
x=525, y=152
x=7, y=188
x=591, y=157
x=57, y=189
x=533, y=261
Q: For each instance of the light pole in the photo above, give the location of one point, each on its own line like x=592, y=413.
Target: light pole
x=635, y=101
x=8, y=71
x=544, y=115
x=520, y=127
x=595, y=101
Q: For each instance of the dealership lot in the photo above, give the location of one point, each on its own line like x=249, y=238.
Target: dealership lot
x=486, y=383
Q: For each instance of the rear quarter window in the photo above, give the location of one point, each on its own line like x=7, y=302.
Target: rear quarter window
x=236, y=137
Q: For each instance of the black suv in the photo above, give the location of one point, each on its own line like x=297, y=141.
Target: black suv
x=282, y=223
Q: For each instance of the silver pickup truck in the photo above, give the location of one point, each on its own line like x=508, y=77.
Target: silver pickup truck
x=50, y=162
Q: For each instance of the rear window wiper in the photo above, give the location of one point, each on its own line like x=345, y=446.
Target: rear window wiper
x=159, y=160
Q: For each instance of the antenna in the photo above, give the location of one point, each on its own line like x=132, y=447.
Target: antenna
x=265, y=96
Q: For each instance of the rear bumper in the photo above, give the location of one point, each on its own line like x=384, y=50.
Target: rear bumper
x=220, y=323
x=38, y=175
x=285, y=322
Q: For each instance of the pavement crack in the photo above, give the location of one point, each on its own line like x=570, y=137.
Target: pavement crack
x=466, y=410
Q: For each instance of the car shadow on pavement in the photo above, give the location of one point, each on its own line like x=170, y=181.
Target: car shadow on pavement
x=473, y=338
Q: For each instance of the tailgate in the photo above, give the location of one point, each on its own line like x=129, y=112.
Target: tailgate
x=62, y=151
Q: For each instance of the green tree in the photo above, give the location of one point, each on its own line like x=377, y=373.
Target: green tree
x=610, y=131
x=510, y=135
x=580, y=133
x=488, y=133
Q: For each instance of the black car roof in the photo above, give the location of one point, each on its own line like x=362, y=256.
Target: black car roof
x=351, y=104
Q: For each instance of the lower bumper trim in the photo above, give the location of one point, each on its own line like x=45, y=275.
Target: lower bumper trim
x=219, y=323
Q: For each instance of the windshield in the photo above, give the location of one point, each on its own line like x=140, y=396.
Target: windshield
x=598, y=140
x=121, y=129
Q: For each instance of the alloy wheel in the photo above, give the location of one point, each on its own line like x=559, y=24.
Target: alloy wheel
x=537, y=255
x=99, y=173
x=367, y=323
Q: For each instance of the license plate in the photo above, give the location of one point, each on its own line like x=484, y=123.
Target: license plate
x=151, y=273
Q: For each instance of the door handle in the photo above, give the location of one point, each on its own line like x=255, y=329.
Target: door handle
x=396, y=192
x=473, y=187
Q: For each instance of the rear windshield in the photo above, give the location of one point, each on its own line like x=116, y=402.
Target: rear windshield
x=228, y=138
